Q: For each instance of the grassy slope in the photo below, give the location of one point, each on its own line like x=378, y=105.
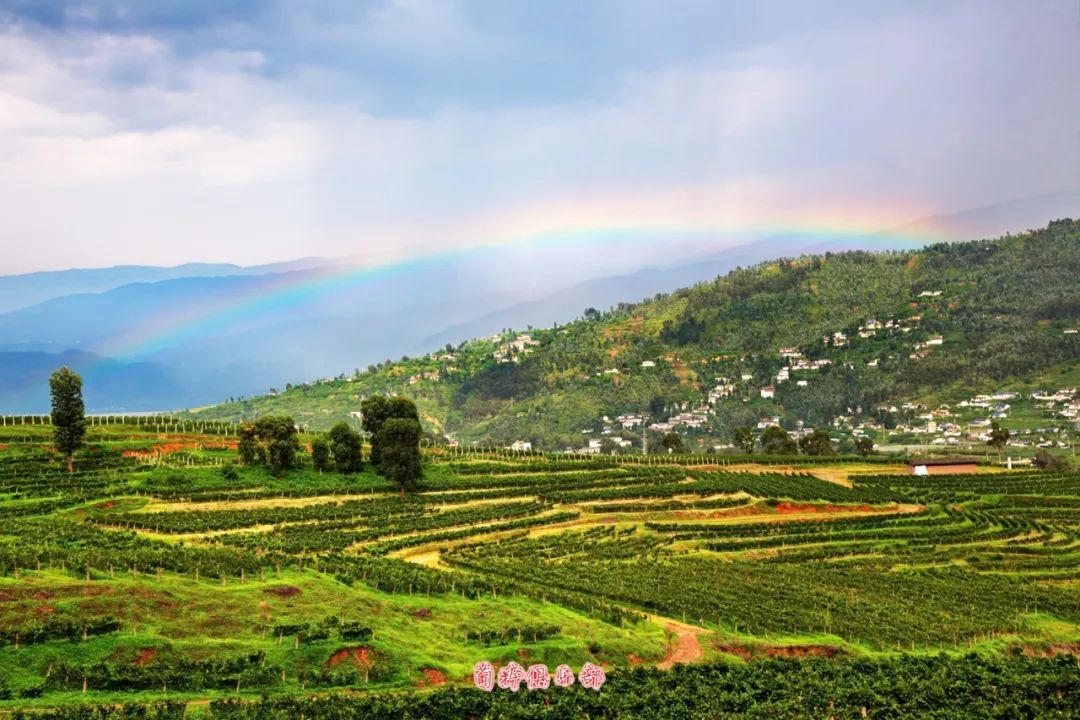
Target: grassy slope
x=1003, y=308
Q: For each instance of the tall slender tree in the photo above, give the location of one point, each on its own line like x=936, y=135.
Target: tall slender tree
x=320, y=454
x=400, y=442
x=68, y=413
x=375, y=409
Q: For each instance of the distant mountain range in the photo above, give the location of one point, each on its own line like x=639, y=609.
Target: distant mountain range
x=161, y=338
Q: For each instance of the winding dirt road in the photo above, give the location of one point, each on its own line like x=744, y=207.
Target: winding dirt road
x=686, y=648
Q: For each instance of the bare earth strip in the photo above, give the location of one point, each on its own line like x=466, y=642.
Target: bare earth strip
x=256, y=504
x=687, y=647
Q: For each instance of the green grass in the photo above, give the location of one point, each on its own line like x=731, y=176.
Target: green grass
x=763, y=564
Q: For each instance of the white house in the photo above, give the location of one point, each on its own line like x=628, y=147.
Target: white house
x=768, y=392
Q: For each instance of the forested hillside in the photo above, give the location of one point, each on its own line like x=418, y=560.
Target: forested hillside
x=844, y=334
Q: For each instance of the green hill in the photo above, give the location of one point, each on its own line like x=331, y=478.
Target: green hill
x=859, y=334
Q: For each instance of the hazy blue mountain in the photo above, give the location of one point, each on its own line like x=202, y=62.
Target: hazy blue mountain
x=1012, y=216
x=20, y=291
x=108, y=385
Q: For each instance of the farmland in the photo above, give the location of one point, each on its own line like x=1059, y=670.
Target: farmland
x=160, y=572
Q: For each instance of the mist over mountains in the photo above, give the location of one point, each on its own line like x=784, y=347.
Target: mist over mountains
x=148, y=338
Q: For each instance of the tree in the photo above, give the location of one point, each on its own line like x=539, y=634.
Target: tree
x=743, y=436
x=673, y=442
x=247, y=448
x=346, y=445
x=817, y=443
x=1045, y=460
x=375, y=409
x=68, y=413
x=776, y=441
x=399, y=439
x=864, y=446
x=278, y=435
x=403, y=407
x=320, y=454
x=998, y=436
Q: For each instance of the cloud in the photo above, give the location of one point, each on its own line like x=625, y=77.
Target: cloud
x=250, y=132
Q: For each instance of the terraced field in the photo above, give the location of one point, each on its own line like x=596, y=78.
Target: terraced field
x=158, y=570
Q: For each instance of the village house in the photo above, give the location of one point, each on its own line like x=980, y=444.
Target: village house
x=768, y=392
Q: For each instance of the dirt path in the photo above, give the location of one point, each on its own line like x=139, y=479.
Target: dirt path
x=687, y=647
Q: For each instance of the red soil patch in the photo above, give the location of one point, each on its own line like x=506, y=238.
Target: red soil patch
x=431, y=678
x=105, y=505
x=44, y=610
x=146, y=656
x=635, y=659
x=741, y=651
x=422, y=614
x=801, y=651
x=359, y=656
x=4, y=447
x=787, y=508
x=6, y=596
x=176, y=446
x=1052, y=650
x=283, y=591
x=749, y=652
x=41, y=595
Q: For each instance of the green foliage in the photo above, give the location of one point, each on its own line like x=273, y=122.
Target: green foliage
x=375, y=410
x=743, y=437
x=399, y=439
x=346, y=447
x=272, y=441
x=279, y=438
x=321, y=454
x=775, y=440
x=864, y=446
x=247, y=447
x=1045, y=460
x=999, y=435
x=817, y=443
x=673, y=443
x=68, y=412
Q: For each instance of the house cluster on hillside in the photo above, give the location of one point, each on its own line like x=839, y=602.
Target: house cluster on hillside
x=513, y=350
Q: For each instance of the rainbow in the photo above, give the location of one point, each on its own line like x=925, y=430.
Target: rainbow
x=271, y=295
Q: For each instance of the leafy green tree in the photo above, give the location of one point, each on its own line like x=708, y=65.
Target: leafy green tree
x=375, y=410
x=775, y=441
x=320, y=454
x=864, y=446
x=346, y=445
x=1045, y=460
x=999, y=435
x=743, y=437
x=673, y=443
x=403, y=407
x=399, y=439
x=278, y=437
x=817, y=443
x=247, y=448
x=68, y=413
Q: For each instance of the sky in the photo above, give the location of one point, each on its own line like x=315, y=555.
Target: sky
x=164, y=132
